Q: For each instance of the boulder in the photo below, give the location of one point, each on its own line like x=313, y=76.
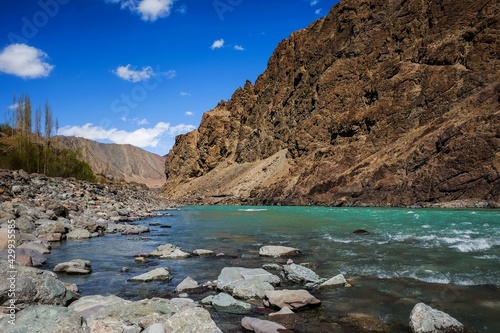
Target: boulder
x=223, y=302
x=35, y=246
x=46, y=226
x=88, y=305
x=424, y=319
x=35, y=286
x=261, y=326
x=79, y=234
x=282, y=312
x=183, y=303
x=157, y=274
x=186, y=285
x=230, y=275
x=192, y=320
x=294, y=299
x=36, y=258
x=299, y=274
x=169, y=251
x=201, y=252
x=336, y=281
x=46, y=318
x=75, y=266
x=275, y=251
x=155, y=328
x=247, y=289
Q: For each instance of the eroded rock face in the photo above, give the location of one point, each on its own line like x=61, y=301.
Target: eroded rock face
x=379, y=103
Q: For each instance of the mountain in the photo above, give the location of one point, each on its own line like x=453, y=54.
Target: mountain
x=118, y=162
x=381, y=102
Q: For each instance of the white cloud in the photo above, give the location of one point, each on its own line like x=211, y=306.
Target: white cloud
x=132, y=75
x=150, y=10
x=24, y=61
x=239, y=48
x=142, y=137
x=13, y=106
x=142, y=122
x=170, y=74
x=217, y=44
x=314, y=2
x=189, y=113
x=318, y=11
x=184, y=94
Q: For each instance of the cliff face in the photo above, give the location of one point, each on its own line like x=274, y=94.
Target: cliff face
x=382, y=102
x=119, y=162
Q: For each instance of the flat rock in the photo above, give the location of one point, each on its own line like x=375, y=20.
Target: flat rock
x=294, y=299
x=275, y=251
x=78, y=234
x=169, y=251
x=193, y=320
x=88, y=305
x=35, y=246
x=247, y=289
x=202, y=252
x=186, y=285
x=424, y=319
x=223, y=302
x=230, y=275
x=261, y=326
x=299, y=274
x=75, y=266
x=157, y=274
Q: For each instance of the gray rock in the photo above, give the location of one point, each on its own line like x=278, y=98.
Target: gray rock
x=79, y=234
x=299, y=274
x=424, y=319
x=46, y=226
x=35, y=286
x=223, y=302
x=275, y=251
x=261, y=326
x=201, y=252
x=283, y=311
x=24, y=175
x=37, y=258
x=169, y=251
x=16, y=189
x=194, y=320
x=155, y=328
x=45, y=318
x=75, y=266
x=247, y=289
x=157, y=274
x=183, y=303
x=35, y=246
x=294, y=299
x=88, y=305
x=336, y=281
x=230, y=275
x=186, y=285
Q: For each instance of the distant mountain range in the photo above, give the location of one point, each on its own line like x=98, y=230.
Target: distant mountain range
x=119, y=162
x=381, y=102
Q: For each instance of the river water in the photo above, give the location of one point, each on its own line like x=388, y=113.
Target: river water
x=449, y=259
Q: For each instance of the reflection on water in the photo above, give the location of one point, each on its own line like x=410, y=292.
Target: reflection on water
x=448, y=259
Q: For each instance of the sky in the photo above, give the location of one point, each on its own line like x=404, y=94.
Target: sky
x=139, y=72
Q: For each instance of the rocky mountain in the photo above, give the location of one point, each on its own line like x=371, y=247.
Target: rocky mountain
x=119, y=162
x=381, y=102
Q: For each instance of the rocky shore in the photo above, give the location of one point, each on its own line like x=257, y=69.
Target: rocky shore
x=275, y=298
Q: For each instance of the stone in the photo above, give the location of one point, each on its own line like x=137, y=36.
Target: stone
x=157, y=274
x=186, y=285
x=361, y=232
x=88, y=305
x=230, y=275
x=75, y=266
x=275, y=251
x=336, y=281
x=193, y=320
x=247, y=289
x=35, y=246
x=35, y=257
x=299, y=274
x=294, y=299
x=24, y=175
x=79, y=234
x=35, y=286
x=46, y=226
x=45, y=318
x=183, y=303
x=424, y=319
x=169, y=251
x=223, y=302
x=261, y=326
x=201, y=252
x=155, y=328
x=283, y=311
x=360, y=322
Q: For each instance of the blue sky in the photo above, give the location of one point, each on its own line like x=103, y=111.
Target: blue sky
x=139, y=71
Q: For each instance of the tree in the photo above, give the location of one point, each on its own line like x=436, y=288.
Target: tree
x=49, y=123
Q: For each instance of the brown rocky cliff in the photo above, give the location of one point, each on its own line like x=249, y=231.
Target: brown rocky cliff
x=382, y=102
x=120, y=162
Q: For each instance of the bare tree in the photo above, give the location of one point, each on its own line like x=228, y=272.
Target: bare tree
x=49, y=123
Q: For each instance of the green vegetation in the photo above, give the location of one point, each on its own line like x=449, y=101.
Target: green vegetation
x=22, y=148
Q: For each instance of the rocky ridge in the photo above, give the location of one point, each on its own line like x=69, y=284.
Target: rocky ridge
x=378, y=103
x=124, y=163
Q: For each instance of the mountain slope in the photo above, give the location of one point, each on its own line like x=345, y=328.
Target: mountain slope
x=119, y=162
x=381, y=102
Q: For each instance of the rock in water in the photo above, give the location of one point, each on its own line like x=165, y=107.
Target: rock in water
x=76, y=266
x=223, y=302
x=424, y=319
x=299, y=274
x=186, y=285
x=191, y=320
x=294, y=299
x=169, y=251
x=229, y=276
x=157, y=274
x=261, y=326
x=278, y=251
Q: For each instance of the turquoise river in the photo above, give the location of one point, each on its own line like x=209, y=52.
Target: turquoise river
x=447, y=258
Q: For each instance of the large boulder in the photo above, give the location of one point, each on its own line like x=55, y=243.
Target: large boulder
x=275, y=251
x=46, y=318
x=193, y=320
x=424, y=319
x=261, y=326
x=35, y=246
x=157, y=274
x=75, y=266
x=230, y=275
x=169, y=251
x=294, y=299
x=299, y=274
x=34, y=286
x=35, y=257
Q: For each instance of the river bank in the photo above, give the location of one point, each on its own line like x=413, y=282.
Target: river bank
x=374, y=303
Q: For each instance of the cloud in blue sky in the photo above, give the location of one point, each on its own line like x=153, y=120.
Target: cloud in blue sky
x=142, y=137
x=239, y=48
x=150, y=10
x=132, y=75
x=24, y=61
x=219, y=43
